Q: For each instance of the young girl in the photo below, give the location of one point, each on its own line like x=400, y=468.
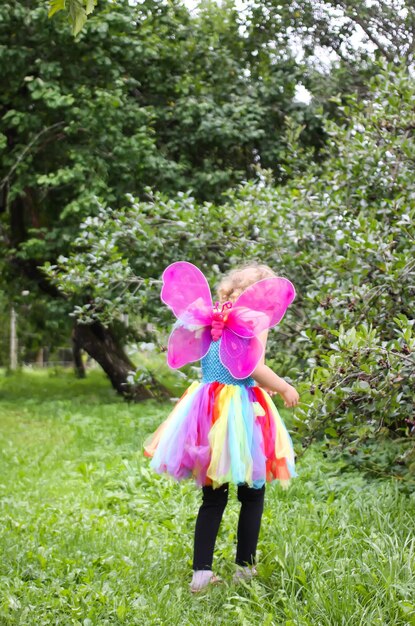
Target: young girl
x=223, y=430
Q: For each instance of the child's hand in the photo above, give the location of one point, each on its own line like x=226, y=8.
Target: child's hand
x=290, y=396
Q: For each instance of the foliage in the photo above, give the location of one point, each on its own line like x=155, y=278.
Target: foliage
x=89, y=535
x=120, y=255
x=384, y=27
x=78, y=11
x=148, y=95
x=350, y=29
x=339, y=41
x=360, y=286
x=60, y=120
x=344, y=233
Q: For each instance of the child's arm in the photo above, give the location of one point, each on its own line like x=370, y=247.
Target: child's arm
x=266, y=378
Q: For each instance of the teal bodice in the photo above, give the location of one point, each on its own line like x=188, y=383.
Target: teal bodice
x=213, y=370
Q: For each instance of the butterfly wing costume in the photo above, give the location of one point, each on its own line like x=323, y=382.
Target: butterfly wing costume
x=224, y=428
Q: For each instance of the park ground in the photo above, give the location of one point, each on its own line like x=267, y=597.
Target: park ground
x=90, y=536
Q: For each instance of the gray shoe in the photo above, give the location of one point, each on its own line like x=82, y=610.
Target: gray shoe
x=202, y=579
x=244, y=574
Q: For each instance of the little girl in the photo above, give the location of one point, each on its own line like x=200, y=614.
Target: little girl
x=225, y=430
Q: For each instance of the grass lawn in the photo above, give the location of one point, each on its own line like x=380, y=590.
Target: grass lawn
x=89, y=535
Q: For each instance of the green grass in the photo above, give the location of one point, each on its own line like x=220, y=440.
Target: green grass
x=89, y=535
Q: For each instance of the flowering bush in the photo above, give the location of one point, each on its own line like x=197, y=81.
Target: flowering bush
x=344, y=234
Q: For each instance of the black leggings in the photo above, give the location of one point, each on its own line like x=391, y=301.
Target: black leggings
x=210, y=516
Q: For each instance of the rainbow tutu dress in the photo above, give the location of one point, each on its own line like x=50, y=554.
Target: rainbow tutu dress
x=223, y=430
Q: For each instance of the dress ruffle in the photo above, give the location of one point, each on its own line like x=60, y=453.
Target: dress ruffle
x=220, y=433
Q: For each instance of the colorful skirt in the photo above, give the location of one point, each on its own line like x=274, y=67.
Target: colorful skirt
x=221, y=433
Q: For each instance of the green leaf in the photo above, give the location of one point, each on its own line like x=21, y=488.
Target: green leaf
x=90, y=6
x=331, y=431
x=78, y=16
x=55, y=6
x=3, y=141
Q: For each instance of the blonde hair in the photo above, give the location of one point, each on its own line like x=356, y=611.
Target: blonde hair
x=237, y=280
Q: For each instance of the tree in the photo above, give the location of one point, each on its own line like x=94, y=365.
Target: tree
x=60, y=119
x=341, y=41
x=147, y=97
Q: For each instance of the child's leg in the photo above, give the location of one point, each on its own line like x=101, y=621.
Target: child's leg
x=252, y=506
x=207, y=525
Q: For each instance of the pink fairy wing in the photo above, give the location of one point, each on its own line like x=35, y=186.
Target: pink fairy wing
x=240, y=355
x=186, y=292
x=261, y=306
x=247, y=322
x=187, y=345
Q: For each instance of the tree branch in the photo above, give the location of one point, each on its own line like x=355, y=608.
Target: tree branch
x=26, y=150
x=372, y=37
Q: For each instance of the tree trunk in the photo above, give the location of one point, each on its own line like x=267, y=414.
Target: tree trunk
x=40, y=357
x=99, y=342
x=77, y=356
x=13, y=340
x=101, y=345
